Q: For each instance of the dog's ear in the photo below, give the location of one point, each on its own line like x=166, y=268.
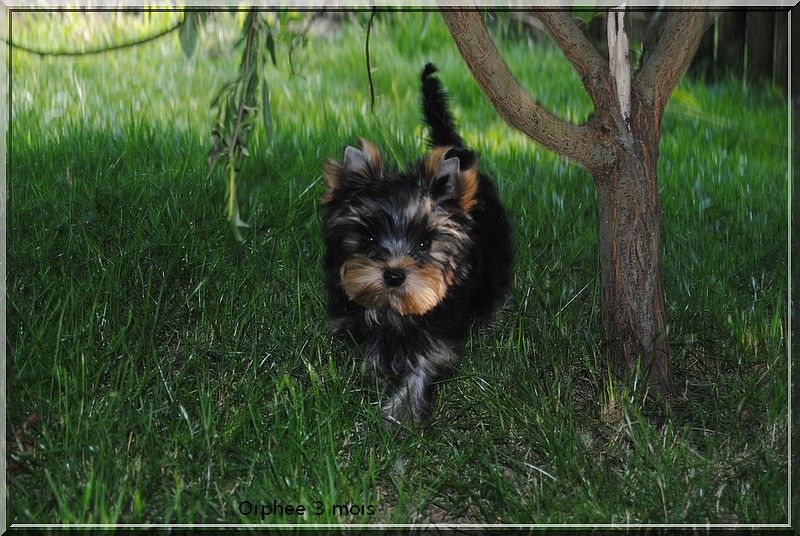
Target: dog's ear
x=358, y=167
x=367, y=160
x=450, y=186
x=354, y=160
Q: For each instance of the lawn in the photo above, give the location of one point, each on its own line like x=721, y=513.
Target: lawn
x=175, y=374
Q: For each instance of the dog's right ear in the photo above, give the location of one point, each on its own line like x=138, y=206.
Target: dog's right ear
x=354, y=160
x=358, y=167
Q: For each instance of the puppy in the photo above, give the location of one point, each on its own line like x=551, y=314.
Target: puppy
x=413, y=256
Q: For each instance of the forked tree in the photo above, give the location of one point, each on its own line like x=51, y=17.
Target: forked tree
x=618, y=146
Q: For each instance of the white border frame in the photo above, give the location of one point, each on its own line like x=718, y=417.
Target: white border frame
x=5, y=103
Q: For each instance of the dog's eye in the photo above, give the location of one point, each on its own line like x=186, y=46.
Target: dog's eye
x=424, y=245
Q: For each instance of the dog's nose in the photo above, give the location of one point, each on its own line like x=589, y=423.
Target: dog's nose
x=394, y=277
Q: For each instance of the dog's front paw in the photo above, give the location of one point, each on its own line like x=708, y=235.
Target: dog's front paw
x=411, y=400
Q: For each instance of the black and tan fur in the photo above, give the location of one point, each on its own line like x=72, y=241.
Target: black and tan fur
x=413, y=256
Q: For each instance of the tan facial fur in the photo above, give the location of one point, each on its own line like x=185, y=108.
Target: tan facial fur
x=362, y=281
x=423, y=289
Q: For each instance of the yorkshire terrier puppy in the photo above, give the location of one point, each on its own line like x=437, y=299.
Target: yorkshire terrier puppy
x=414, y=256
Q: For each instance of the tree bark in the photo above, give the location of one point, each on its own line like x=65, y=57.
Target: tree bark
x=633, y=320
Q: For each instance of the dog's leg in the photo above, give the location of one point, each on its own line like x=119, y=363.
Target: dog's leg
x=412, y=399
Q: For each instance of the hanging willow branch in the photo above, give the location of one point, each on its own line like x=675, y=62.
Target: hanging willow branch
x=96, y=50
x=369, y=67
x=237, y=105
x=300, y=40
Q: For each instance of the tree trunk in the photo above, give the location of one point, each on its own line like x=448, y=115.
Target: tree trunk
x=730, y=49
x=760, y=25
x=633, y=322
x=621, y=155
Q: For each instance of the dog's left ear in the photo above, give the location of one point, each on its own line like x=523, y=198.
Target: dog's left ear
x=449, y=184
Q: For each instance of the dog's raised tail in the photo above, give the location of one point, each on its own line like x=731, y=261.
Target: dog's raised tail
x=441, y=126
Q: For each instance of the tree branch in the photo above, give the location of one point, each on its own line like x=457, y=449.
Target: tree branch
x=585, y=58
x=676, y=47
x=510, y=99
x=99, y=49
x=369, y=67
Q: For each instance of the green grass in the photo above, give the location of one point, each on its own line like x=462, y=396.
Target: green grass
x=177, y=373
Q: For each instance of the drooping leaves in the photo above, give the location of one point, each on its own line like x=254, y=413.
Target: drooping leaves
x=188, y=33
x=266, y=114
x=270, y=42
x=237, y=105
